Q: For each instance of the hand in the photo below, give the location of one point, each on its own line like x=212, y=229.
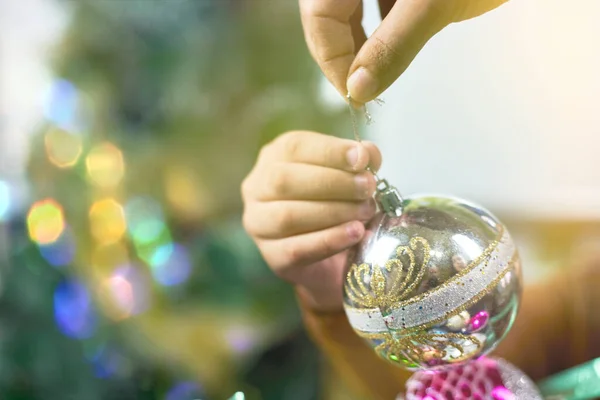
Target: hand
x=305, y=203
x=366, y=67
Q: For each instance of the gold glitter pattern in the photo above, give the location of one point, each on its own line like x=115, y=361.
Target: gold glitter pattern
x=423, y=347
x=472, y=301
x=452, y=281
x=451, y=313
x=381, y=292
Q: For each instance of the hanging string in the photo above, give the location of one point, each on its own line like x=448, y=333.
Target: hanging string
x=354, y=117
x=356, y=128
x=388, y=197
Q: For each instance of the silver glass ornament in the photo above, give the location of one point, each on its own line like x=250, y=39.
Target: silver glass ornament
x=436, y=281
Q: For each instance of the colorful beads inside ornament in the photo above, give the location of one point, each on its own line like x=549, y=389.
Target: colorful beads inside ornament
x=479, y=321
x=438, y=285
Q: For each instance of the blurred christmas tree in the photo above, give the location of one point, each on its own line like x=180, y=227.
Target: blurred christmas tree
x=131, y=277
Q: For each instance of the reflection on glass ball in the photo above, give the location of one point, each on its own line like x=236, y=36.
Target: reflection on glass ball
x=438, y=285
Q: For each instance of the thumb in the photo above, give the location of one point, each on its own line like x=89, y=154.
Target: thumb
x=395, y=43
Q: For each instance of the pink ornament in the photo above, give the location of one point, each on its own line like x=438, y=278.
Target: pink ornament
x=502, y=393
x=482, y=379
x=479, y=321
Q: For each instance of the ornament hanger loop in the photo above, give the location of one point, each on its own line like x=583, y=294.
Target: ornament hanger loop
x=388, y=197
x=356, y=130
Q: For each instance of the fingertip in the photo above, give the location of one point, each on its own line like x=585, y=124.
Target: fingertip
x=374, y=155
x=363, y=85
x=355, y=231
x=389, y=51
x=336, y=72
x=363, y=157
x=357, y=156
x=340, y=86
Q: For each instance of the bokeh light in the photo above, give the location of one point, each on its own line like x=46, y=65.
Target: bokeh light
x=171, y=265
x=108, y=362
x=107, y=258
x=145, y=220
x=107, y=219
x=155, y=252
x=118, y=296
x=61, y=104
x=105, y=165
x=61, y=252
x=127, y=292
x=161, y=255
x=241, y=339
x=4, y=200
x=153, y=242
x=184, y=391
x=104, y=367
x=186, y=194
x=45, y=221
x=62, y=148
x=73, y=310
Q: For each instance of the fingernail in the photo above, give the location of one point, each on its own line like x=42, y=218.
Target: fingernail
x=354, y=230
x=366, y=210
x=352, y=157
x=362, y=85
x=362, y=186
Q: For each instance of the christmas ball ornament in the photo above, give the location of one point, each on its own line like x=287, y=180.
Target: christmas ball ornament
x=435, y=282
x=482, y=379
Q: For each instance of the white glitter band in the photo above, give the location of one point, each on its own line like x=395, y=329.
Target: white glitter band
x=367, y=320
x=450, y=296
x=457, y=291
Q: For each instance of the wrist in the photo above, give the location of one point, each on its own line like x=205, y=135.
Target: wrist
x=318, y=302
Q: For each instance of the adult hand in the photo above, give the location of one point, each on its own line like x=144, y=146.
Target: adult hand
x=366, y=67
x=305, y=202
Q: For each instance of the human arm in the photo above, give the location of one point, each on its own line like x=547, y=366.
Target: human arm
x=557, y=328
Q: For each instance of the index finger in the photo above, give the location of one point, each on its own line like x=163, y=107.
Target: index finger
x=329, y=36
x=313, y=148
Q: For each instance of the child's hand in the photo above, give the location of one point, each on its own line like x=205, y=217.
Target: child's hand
x=305, y=203
x=365, y=67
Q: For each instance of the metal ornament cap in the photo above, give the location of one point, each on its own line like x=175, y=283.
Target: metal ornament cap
x=388, y=198
x=436, y=284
